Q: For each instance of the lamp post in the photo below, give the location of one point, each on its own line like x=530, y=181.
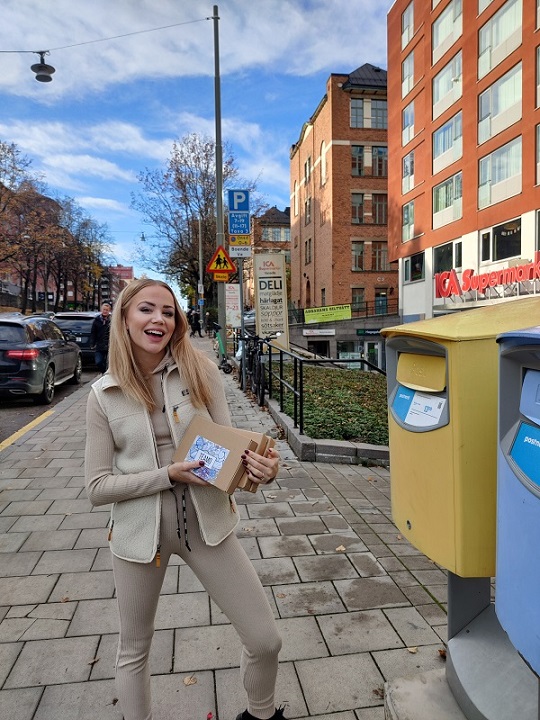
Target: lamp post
x=219, y=176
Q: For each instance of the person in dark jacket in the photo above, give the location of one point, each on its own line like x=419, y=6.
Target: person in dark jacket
x=99, y=337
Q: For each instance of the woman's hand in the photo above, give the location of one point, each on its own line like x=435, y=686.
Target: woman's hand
x=261, y=469
x=181, y=472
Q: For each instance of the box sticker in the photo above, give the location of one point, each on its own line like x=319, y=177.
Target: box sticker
x=525, y=451
x=212, y=454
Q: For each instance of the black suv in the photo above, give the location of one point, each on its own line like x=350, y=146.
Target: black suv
x=35, y=356
x=79, y=324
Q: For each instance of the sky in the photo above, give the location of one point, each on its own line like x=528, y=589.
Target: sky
x=116, y=104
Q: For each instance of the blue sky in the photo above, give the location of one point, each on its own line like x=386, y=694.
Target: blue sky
x=115, y=107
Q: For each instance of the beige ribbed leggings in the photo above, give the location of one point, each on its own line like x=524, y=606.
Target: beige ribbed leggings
x=231, y=581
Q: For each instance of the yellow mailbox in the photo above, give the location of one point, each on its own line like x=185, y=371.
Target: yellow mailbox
x=442, y=406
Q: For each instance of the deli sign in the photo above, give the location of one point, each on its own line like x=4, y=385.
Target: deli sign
x=447, y=283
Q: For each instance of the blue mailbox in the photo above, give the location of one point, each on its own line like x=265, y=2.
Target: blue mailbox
x=517, y=596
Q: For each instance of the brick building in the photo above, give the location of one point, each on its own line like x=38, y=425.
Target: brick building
x=271, y=233
x=339, y=169
x=464, y=143
x=339, y=201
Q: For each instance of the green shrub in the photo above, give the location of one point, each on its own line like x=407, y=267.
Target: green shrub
x=342, y=404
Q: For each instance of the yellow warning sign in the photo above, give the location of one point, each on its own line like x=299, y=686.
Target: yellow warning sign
x=221, y=262
x=221, y=277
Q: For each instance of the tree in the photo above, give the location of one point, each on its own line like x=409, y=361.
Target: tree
x=178, y=200
x=15, y=179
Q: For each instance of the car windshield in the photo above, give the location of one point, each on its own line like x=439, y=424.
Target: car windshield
x=12, y=333
x=69, y=323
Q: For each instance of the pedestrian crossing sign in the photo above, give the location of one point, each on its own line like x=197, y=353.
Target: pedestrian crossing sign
x=221, y=262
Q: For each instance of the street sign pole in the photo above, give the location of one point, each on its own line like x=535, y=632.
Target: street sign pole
x=242, y=328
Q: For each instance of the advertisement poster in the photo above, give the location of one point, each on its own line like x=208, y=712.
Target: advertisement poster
x=233, y=312
x=330, y=313
x=271, y=297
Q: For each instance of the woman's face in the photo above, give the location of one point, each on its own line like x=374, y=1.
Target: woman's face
x=150, y=322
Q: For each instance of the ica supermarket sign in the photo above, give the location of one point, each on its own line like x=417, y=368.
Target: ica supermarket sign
x=447, y=283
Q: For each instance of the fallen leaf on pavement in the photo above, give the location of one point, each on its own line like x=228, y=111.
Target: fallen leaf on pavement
x=94, y=661
x=271, y=497
x=379, y=692
x=247, y=529
x=281, y=595
x=190, y=680
x=399, y=537
x=64, y=599
x=341, y=548
x=442, y=653
x=413, y=650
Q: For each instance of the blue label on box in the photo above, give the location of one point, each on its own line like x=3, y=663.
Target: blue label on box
x=525, y=451
x=418, y=409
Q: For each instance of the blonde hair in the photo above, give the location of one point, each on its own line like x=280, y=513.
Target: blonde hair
x=194, y=364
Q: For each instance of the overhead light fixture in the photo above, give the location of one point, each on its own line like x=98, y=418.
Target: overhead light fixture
x=43, y=71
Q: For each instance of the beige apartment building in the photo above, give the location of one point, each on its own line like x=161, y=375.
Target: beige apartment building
x=464, y=148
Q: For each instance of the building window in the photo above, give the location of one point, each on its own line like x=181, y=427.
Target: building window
x=538, y=154
x=357, y=113
x=381, y=301
x=447, y=143
x=358, y=299
x=379, y=114
x=500, y=105
x=380, y=257
x=447, y=86
x=407, y=224
x=538, y=75
x=357, y=160
x=307, y=251
x=323, y=297
x=379, y=161
x=407, y=25
x=407, y=74
x=379, y=208
x=357, y=202
x=500, y=174
x=407, y=175
x=358, y=255
x=413, y=268
x=447, y=201
x=307, y=211
x=307, y=170
x=407, y=124
x=446, y=29
x=501, y=242
x=500, y=36
x=323, y=163
x=443, y=258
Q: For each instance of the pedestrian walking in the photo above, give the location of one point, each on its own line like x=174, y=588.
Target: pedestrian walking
x=99, y=337
x=207, y=327
x=136, y=415
x=196, y=324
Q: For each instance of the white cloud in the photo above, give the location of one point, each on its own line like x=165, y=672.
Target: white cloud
x=97, y=203
x=286, y=36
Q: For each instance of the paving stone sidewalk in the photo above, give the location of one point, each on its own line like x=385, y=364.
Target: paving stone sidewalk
x=355, y=603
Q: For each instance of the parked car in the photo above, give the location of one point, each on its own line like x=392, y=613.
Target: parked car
x=250, y=318
x=35, y=357
x=80, y=325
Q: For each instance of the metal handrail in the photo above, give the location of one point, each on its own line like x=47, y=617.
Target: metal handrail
x=297, y=386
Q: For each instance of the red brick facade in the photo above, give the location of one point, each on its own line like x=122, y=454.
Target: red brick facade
x=322, y=190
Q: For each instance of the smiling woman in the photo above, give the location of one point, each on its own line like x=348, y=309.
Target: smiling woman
x=137, y=415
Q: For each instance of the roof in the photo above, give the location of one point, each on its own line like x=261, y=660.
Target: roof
x=273, y=216
x=366, y=77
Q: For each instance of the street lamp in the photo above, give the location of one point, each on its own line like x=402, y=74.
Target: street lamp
x=43, y=71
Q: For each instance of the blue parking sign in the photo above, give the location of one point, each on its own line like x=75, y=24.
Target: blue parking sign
x=238, y=200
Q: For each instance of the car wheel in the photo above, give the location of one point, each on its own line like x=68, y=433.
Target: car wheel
x=47, y=394
x=75, y=379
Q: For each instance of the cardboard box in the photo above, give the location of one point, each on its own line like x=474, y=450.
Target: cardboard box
x=221, y=447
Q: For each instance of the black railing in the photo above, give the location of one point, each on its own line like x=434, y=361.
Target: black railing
x=263, y=376
x=378, y=308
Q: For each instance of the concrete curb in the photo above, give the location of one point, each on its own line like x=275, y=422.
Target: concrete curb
x=328, y=451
